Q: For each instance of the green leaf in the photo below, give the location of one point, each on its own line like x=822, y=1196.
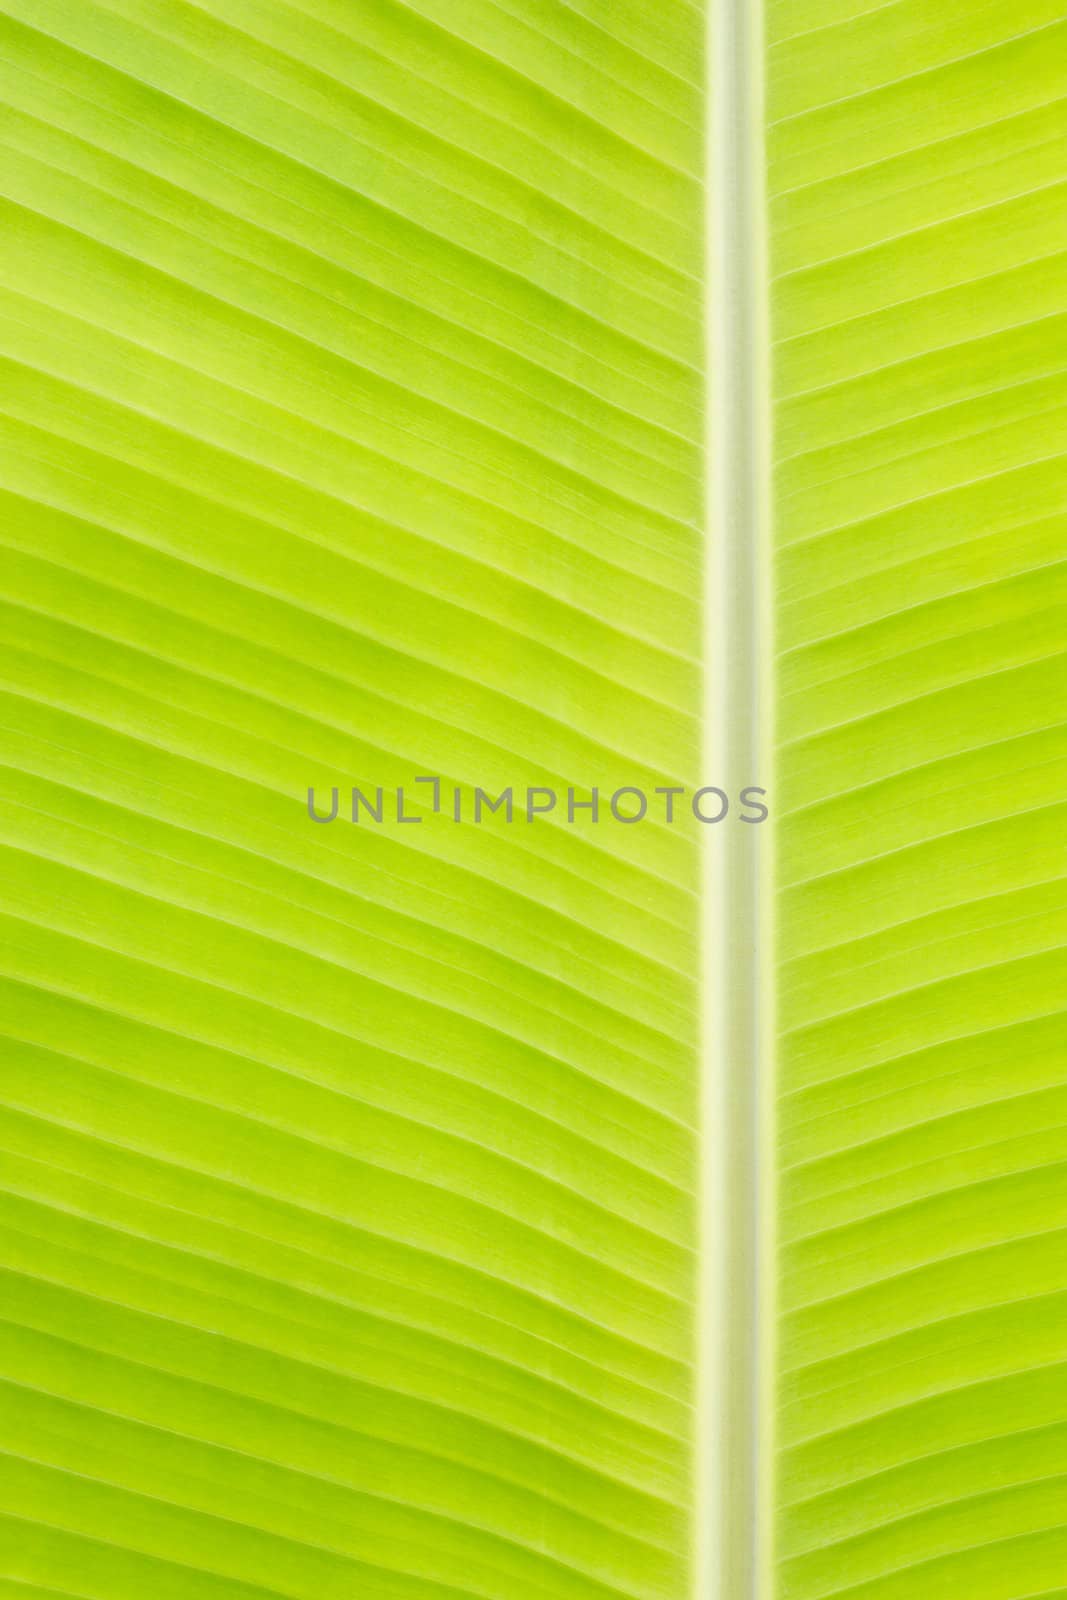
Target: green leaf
x=532, y=1209
x=351, y=433
x=915, y=179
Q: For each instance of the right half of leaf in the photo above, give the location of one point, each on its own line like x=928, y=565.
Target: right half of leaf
x=917, y=164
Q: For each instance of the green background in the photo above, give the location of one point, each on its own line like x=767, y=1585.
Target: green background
x=352, y=428
x=916, y=165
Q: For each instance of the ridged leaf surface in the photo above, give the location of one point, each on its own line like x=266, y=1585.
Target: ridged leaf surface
x=916, y=161
x=352, y=432
x=351, y=428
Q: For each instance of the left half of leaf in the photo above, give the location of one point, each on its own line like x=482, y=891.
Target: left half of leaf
x=350, y=418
